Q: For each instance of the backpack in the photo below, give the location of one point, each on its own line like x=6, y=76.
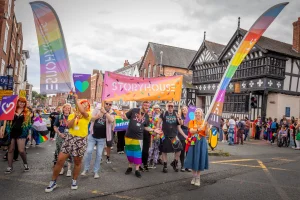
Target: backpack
x=241, y=125
x=273, y=125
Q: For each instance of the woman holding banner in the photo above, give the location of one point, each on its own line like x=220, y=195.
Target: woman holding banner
x=18, y=130
x=139, y=121
x=196, y=147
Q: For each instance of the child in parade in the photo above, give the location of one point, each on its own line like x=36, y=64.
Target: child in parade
x=197, y=153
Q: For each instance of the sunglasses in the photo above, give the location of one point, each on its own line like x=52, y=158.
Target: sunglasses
x=108, y=104
x=170, y=106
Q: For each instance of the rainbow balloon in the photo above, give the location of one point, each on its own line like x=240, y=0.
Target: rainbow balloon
x=54, y=61
x=213, y=116
x=42, y=138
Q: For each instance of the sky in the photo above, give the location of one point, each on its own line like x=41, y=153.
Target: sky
x=102, y=34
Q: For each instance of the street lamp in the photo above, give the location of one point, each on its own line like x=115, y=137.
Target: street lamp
x=9, y=70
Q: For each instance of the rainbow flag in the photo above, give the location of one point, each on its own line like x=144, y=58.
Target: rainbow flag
x=121, y=125
x=214, y=114
x=54, y=60
x=174, y=140
x=42, y=138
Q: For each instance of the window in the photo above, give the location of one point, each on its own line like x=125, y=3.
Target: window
x=9, y=7
x=154, y=71
x=16, y=67
x=149, y=70
x=145, y=73
x=2, y=67
x=19, y=45
x=5, y=38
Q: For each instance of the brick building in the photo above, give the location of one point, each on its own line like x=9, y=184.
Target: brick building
x=96, y=86
x=11, y=45
x=165, y=60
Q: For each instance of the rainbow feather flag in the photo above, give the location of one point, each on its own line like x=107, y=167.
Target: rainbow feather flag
x=214, y=114
x=42, y=138
x=54, y=60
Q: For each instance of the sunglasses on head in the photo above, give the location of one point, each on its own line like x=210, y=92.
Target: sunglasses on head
x=108, y=104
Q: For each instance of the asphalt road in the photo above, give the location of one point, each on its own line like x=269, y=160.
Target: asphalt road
x=255, y=170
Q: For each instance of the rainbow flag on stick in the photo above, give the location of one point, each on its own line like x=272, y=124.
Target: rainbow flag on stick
x=42, y=138
x=214, y=114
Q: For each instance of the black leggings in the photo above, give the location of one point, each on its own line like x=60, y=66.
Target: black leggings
x=182, y=154
x=52, y=133
x=121, y=140
x=21, y=148
x=146, y=146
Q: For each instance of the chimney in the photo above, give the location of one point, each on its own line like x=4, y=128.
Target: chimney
x=296, y=36
x=126, y=63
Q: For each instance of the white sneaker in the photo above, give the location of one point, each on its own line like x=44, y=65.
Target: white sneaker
x=84, y=173
x=61, y=171
x=74, y=185
x=96, y=176
x=197, y=182
x=112, y=148
x=51, y=186
x=95, y=148
x=69, y=173
x=193, y=181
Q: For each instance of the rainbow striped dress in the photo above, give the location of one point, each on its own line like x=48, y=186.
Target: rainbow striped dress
x=133, y=150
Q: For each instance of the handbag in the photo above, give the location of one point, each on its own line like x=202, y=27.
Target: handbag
x=5, y=141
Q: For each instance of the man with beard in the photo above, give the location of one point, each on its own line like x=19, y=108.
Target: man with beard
x=171, y=144
x=139, y=121
x=101, y=134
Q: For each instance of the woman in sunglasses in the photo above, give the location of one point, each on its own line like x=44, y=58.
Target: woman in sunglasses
x=170, y=144
x=18, y=130
x=101, y=133
x=196, y=147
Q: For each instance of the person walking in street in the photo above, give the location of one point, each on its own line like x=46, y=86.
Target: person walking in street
x=247, y=127
x=269, y=129
x=197, y=151
x=232, y=125
x=182, y=135
x=101, y=134
x=74, y=144
x=18, y=131
x=61, y=129
x=154, y=148
x=297, y=135
x=240, y=131
x=139, y=121
x=258, y=126
x=221, y=133
x=52, y=117
x=225, y=131
x=171, y=123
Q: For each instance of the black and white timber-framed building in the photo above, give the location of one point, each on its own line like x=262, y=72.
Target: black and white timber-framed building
x=270, y=73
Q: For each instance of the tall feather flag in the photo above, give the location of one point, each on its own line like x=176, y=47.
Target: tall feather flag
x=54, y=60
x=213, y=116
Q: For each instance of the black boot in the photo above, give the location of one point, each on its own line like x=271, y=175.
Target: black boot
x=165, y=169
x=174, y=164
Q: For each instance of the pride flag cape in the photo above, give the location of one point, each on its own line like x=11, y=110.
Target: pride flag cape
x=54, y=61
x=213, y=116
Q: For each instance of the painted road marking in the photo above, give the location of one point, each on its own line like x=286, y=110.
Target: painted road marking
x=279, y=190
x=282, y=159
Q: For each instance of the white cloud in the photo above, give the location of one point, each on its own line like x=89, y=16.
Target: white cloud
x=102, y=34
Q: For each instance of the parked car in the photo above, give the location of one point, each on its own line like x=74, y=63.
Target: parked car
x=46, y=119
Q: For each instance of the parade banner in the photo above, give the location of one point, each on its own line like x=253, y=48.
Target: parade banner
x=5, y=93
x=82, y=84
x=54, y=61
x=190, y=115
x=214, y=114
x=7, y=107
x=121, y=125
x=127, y=88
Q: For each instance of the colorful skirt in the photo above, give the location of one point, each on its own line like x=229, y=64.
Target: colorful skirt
x=197, y=156
x=133, y=150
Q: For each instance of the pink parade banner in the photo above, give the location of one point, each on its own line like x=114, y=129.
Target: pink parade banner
x=118, y=87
